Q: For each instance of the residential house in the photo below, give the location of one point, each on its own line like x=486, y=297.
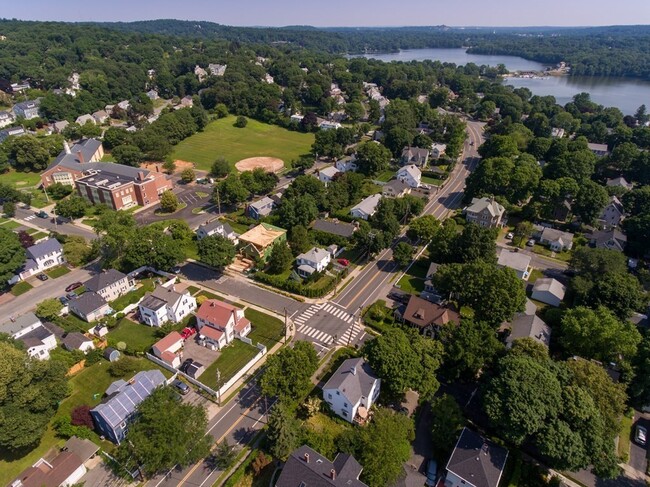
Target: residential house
x=37, y=339
x=200, y=73
x=348, y=163
x=11, y=132
x=186, y=102
x=430, y=293
x=63, y=469
x=27, y=109
x=6, y=118
x=548, y=290
x=40, y=257
x=428, y=317
x=307, y=468
x=485, y=212
x=517, y=261
x=100, y=330
x=169, y=349
x=258, y=242
x=109, y=284
x=71, y=163
x=84, y=119
x=620, y=182
x=599, y=149
x=562, y=211
x=438, y=150
x=216, y=227
x=557, y=133
x=260, y=208
x=296, y=117
x=410, y=175
x=475, y=462
x=366, y=208
x=328, y=174
x=612, y=239
x=217, y=69
x=414, y=155
x=113, y=415
x=556, y=240
x=613, y=214
x=152, y=95
x=352, y=390
x=528, y=325
x=58, y=127
x=395, y=189
x=124, y=104
x=327, y=125
x=335, y=227
x=89, y=306
x=220, y=323
x=100, y=116
x=316, y=260
x=166, y=304
x=77, y=341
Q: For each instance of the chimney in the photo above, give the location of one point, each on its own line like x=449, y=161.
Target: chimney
x=353, y=370
x=306, y=457
x=140, y=175
x=333, y=474
x=80, y=157
x=66, y=147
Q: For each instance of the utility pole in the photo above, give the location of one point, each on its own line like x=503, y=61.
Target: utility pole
x=218, y=387
x=358, y=321
x=286, y=326
x=216, y=188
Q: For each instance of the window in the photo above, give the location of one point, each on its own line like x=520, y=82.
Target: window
x=329, y=396
x=338, y=393
x=345, y=413
x=345, y=404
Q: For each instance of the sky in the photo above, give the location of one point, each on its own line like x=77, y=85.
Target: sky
x=342, y=12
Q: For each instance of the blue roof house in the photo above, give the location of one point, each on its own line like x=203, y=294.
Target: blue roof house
x=114, y=414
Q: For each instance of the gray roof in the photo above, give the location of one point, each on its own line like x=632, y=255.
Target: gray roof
x=74, y=340
x=126, y=396
x=262, y=203
x=477, y=461
x=83, y=448
x=553, y=235
x=396, y=185
x=43, y=248
x=36, y=336
x=368, y=205
x=87, y=147
x=26, y=105
x=104, y=279
x=213, y=225
x=87, y=303
x=307, y=467
x=417, y=152
x=315, y=254
x=56, y=330
x=341, y=229
x=514, y=260
x=15, y=131
x=529, y=326
x=480, y=204
x=354, y=378
x=161, y=296
x=550, y=285
x=602, y=237
x=24, y=321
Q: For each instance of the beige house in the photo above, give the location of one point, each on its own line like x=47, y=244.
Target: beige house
x=485, y=212
x=109, y=284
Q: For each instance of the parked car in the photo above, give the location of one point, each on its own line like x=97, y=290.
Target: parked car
x=176, y=269
x=188, y=332
x=432, y=473
x=640, y=435
x=42, y=277
x=63, y=300
x=343, y=262
x=181, y=386
x=531, y=242
x=186, y=363
x=71, y=296
x=73, y=286
x=509, y=235
x=41, y=214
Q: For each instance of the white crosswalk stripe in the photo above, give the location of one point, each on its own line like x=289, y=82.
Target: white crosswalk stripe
x=349, y=336
x=315, y=334
x=30, y=217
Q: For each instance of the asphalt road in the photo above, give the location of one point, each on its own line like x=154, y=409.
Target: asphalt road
x=48, y=225
x=186, y=194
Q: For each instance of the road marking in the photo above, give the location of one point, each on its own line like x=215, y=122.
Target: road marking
x=29, y=218
x=315, y=334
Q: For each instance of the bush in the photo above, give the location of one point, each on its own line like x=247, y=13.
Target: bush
x=9, y=209
x=65, y=429
x=81, y=417
x=241, y=122
x=94, y=356
x=123, y=367
x=297, y=287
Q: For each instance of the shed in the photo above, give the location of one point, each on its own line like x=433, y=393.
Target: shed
x=111, y=354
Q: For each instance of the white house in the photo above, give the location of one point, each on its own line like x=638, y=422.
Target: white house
x=367, y=207
x=100, y=116
x=40, y=257
x=438, y=150
x=109, y=284
x=220, y=323
x=614, y=213
x=620, y=182
x=77, y=341
x=169, y=349
x=27, y=109
x=557, y=240
x=352, y=390
x=89, y=306
x=165, y=304
x=6, y=118
x=326, y=125
x=316, y=260
x=548, y=290
x=216, y=227
x=152, y=95
x=84, y=119
x=517, y=261
x=475, y=462
x=327, y=175
x=600, y=150
x=217, y=69
x=348, y=163
x=410, y=175
x=27, y=328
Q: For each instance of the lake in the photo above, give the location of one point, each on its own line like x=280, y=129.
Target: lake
x=624, y=93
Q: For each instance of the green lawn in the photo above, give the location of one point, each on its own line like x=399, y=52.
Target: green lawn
x=138, y=337
x=71, y=322
x=21, y=179
x=385, y=176
x=411, y=285
x=11, y=225
x=237, y=227
x=624, y=436
x=230, y=361
x=266, y=329
x=57, y=271
x=193, y=290
x=545, y=251
x=39, y=235
x=21, y=288
x=221, y=139
x=132, y=297
x=432, y=181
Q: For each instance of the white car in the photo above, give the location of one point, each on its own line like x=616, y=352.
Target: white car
x=510, y=235
x=640, y=435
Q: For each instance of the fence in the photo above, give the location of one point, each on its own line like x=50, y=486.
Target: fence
x=243, y=371
x=176, y=372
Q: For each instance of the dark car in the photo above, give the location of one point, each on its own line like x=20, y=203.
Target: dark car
x=186, y=363
x=42, y=277
x=432, y=473
x=70, y=296
x=63, y=300
x=640, y=435
x=41, y=214
x=73, y=286
x=181, y=386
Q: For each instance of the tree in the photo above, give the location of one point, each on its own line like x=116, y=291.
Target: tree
x=77, y=251
x=166, y=433
x=403, y=254
x=123, y=367
x=220, y=168
x=280, y=258
x=129, y=155
x=283, y=431
x=230, y=191
x=303, y=163
x=241, y=122
x=49, y=309
x=372, y=158
x=169, y=166
x=26, y=240
x=288, y=373
x=593, y=263
x=221, y=110
x=225, y=455
x=447, y=421
x=29, y=154
x=590, y=201
x=299, y=240
x=72, y=207
x=598, y=334
x=216, y=251
x=168, y=202
x=80, y=416
x=620, y=292
x=423, y=228
x=188, y=175
x=297, y=210
x=523, y=231
x=59, y=191
x=151, y=246
x=9, y=209
x=12, y=255
x=31, y=390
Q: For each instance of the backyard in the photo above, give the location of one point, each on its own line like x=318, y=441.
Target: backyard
x=231, y=360
x=221, y=139
x=413, y=281
x=138, y=337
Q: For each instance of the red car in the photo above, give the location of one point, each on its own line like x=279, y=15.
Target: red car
x=73, y=286
x=188, y=332
x=343, y=262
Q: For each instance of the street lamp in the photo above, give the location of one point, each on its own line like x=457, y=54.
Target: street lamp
x=218, y=373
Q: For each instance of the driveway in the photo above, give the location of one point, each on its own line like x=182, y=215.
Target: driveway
x=638, y=454
x=186, y=193
x=199, y=353
x=421, y=451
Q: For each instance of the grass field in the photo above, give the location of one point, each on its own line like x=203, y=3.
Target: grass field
x=231, y=360
x=221, y=139
x=57, y=271
x=11, y=225
x=138, y=337
x=21, y=179
x=21, y=288
x=267, y=330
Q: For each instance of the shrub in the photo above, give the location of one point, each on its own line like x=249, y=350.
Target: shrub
x=65, y=429
x=241, y=122
x=81, y=417
x=123, y=367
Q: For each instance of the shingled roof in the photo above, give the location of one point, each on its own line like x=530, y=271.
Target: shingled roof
x=309, y=468
x=476, y=460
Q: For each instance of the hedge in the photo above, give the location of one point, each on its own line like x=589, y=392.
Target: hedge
x=297, y=287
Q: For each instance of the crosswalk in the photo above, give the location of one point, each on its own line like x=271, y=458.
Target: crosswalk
x=29, y=218
x=350, y=335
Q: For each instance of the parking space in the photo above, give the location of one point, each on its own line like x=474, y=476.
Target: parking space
x=199, y=353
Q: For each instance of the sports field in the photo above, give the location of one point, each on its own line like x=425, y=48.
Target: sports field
x=221, y=139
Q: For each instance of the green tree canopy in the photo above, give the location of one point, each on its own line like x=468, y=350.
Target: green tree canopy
x=287, y=374
x=216, y=251
x=12, y=255
x=372, y=158
x=72, y=207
